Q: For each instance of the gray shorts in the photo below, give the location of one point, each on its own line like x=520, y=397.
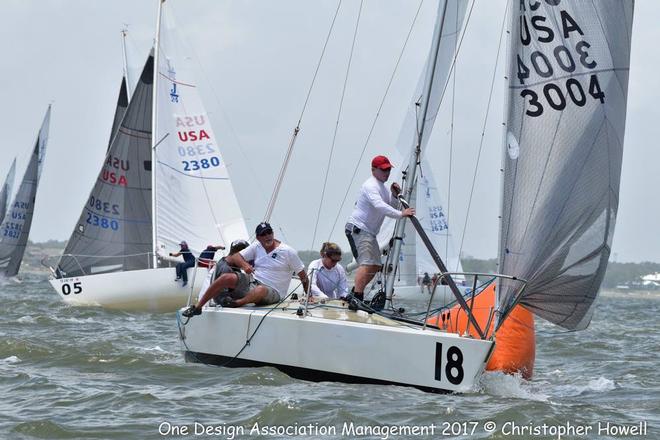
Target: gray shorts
x=364, y=246
x=244, y=285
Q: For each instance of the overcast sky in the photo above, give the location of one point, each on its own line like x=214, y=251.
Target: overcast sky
x=256, y=60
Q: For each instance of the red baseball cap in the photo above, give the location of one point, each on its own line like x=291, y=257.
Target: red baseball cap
x=381, y=162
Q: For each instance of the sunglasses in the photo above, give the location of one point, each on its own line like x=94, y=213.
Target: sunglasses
x=334, y=257
x=263, y=234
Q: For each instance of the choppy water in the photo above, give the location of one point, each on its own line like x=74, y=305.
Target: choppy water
x=89, y=373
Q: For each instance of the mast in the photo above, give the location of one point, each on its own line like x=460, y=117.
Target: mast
x=125, y=59
x=507, y=100
x=415, y=154
x=154, y=131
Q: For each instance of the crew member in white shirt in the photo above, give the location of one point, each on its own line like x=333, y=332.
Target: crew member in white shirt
x=374, y=203
x=327, y=276
x=274, y=263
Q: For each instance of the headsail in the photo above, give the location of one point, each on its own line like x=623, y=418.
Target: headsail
x=195, y=199
x=568, y=85
x=113, y=232
x=5, y=190
x=420, y=118
x=15, y=227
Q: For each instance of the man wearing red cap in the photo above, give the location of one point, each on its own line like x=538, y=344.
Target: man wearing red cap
x=374, y=203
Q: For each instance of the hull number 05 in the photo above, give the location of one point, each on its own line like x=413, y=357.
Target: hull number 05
x=66, y=288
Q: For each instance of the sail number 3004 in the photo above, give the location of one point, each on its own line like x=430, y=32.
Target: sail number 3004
x=77, y=288
x=452, y=370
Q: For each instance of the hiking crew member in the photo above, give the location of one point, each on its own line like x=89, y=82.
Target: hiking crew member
x=274, y=263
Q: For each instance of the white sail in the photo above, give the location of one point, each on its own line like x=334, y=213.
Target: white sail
x=568, y=85
x=414, y=258
x=195, y=199
x=15, y=228
x=432, y=216
x=6, y=189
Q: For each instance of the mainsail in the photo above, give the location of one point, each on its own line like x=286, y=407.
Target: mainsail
x=5, y=190
x=568, y=85
x=120, y=110
x=15, y=227
x=113, y=232
x=195, y=199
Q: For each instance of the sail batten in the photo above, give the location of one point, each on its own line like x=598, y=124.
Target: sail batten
x=568, y=79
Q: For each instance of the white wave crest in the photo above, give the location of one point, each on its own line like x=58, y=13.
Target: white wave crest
x=506, y=385
x=26, y=320
x=74, y=320
x=10, y=360
x=601, y=384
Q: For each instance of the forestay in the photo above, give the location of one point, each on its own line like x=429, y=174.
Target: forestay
x=5, y=190
x=15, y=228
x=195, y=199
x=113, y=232
x=568, y=83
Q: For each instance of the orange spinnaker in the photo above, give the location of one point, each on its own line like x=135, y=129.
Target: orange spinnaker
x=515, y=342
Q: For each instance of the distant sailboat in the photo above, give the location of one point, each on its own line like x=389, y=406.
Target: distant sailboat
x=15, y=227
x=116, y=255
x=5, y=190
x=415, y=259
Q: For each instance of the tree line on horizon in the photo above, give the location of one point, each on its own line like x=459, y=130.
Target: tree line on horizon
x=617, y=273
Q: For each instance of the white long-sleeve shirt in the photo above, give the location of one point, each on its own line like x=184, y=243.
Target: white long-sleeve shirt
x=327, y=282
x=374, y=203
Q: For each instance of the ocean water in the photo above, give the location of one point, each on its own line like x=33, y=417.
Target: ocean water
x=88, y=373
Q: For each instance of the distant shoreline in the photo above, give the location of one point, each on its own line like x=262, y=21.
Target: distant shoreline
x=618, y=274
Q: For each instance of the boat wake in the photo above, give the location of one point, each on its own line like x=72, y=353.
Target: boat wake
x=506, y=385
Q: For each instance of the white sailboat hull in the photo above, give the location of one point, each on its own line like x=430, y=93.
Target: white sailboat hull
x=336, y=344
x=148, y=290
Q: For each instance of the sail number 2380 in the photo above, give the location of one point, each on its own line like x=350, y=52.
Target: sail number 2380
x=452, y=369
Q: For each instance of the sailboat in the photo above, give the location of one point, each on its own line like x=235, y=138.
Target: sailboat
x=568, y=64
x=361, y=346
x=17, y=220
x=5, y=190
x=163, y=160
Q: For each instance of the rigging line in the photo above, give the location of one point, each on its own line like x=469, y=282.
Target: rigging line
x=373, y=124
x=339, y=111
x=483, y=129
x=451, y=155
x=318, y=65
x=287, y=157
